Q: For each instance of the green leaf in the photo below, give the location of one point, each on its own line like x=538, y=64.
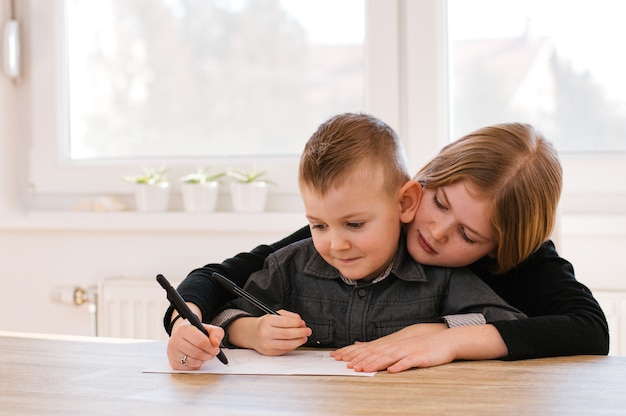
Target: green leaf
x=149, y=176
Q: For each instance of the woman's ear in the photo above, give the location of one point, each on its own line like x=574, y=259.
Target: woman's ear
x=410, y=197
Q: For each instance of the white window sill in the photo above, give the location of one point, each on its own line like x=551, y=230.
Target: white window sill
x=286, y=222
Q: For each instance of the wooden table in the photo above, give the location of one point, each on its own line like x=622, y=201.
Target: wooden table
x=52, y=375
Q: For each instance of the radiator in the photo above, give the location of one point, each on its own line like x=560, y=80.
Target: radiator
x=131, y=308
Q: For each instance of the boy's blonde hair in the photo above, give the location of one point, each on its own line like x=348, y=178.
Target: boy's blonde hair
x=346, y=142
x=515, y=167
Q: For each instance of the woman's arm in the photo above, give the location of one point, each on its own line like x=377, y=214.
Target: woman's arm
x=424, y=345
x=209, y=296
x=564, y=319
x=563, y=316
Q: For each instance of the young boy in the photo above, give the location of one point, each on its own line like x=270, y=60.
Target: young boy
x=354, y=280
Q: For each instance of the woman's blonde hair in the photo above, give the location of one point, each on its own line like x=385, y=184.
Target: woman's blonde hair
x=515, y=167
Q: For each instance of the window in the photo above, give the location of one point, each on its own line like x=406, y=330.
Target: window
x=419, y=73
x=535, y=63
x=118, y=85
x=555, y=65
x=213, y=79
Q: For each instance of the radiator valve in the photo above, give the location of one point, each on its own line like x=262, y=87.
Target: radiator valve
x=70, y=295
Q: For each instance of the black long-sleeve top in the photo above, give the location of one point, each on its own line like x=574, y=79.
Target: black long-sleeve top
x=563, y=316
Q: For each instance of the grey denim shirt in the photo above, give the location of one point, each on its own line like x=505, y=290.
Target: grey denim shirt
x=297, y=278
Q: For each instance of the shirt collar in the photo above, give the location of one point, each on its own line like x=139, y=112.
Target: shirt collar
x=403, y=267
x=380, y=277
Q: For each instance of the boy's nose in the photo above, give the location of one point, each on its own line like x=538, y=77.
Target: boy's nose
x=338, y=241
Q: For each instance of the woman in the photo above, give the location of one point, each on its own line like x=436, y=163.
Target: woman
x=490, y=201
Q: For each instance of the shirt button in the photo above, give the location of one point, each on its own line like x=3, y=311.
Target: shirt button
x=362, y=293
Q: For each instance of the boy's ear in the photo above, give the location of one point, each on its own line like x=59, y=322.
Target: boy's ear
x=410, y=197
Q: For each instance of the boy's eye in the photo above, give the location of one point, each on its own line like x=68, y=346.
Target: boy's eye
x=354, y=224
x=318, y=226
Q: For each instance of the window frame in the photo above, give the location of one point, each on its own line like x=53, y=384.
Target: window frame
x=397, y=48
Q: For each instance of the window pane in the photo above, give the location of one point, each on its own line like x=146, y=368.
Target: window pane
x=556, y=64
x=208, y=78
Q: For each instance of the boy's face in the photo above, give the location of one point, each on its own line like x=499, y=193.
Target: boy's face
x=451, y=228
x=356, y=226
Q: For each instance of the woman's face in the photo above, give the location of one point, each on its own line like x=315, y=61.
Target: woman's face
x=452, y=228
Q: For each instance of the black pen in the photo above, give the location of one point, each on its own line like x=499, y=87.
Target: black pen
x=233, y=288
x=183, y=309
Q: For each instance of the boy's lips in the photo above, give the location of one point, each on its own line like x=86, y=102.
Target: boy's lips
x=425, y=245
x=347, y=261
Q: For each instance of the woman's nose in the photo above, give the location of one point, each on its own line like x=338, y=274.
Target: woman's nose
x=439, y=230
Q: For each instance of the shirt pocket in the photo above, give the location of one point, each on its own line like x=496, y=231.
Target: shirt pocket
x=322, y=334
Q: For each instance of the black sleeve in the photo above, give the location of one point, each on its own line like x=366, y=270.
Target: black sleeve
x=199, y=288
x=563, y=316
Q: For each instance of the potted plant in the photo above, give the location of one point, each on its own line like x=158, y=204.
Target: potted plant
x=152, y=191
x=200, y=190
x=248, y=191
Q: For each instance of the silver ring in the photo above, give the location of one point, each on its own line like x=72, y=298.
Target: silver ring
x=183, y=360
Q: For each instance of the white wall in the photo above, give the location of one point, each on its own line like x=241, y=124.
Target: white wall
x=35, y=262
x=596, y=246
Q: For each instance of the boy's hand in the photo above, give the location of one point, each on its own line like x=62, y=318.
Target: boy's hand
x=270, y=334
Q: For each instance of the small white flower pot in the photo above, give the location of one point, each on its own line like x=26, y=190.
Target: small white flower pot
x=248, y=197
x=200, y=197
x=152, y=198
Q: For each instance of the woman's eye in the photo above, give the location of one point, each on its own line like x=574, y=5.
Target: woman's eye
x=466, y=238
x=318, y=226
x=437, y=203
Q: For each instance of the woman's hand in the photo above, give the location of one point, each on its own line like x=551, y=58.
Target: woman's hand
x=270, y=334
x=424, y=345
x=386, y=352
x=188, y=348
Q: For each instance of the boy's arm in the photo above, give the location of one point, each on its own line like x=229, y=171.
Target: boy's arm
x=268, y=334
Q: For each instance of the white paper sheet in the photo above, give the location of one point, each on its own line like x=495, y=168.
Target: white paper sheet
x=242, y=361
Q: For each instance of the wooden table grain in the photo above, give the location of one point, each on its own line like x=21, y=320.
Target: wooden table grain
x=58, y=375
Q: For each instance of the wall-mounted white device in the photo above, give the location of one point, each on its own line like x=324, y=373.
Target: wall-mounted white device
x=11, y=48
